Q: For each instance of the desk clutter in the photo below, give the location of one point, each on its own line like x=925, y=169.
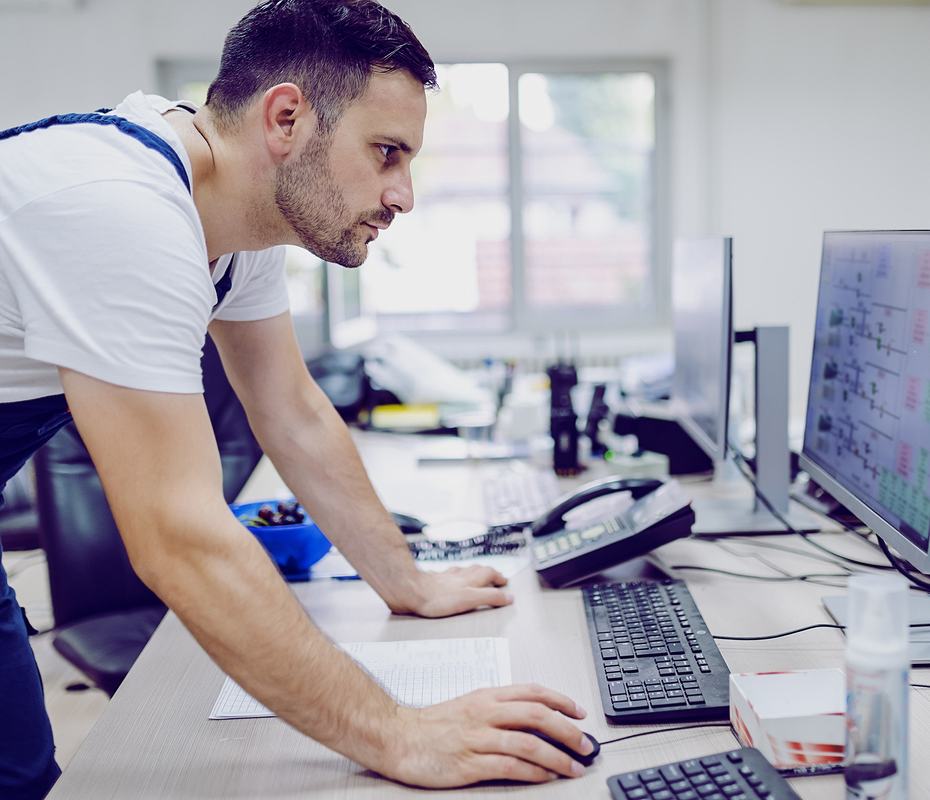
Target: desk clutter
x=293, y=540
x=497, y=541
x=795, y=718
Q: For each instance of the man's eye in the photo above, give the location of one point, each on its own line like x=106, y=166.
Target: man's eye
x=387, y=150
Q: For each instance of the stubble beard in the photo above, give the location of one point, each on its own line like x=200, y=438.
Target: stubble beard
x=308, y=198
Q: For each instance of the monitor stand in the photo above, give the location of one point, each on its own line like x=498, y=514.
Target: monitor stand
x=734, y=509
x=726, y=506
x=919, y=607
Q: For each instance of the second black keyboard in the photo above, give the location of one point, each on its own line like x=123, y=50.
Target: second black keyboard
x=736, y=775
x=654, y=657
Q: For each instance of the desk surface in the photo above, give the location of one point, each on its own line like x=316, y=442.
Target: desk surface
x=155, y=740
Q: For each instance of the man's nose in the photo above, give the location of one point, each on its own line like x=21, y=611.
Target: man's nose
x=398, y=196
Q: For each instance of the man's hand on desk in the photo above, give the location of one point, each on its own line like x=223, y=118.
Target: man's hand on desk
x=455, y=591
x=482, y=736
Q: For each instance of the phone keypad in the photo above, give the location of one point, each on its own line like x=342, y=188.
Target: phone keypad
x=565, y=542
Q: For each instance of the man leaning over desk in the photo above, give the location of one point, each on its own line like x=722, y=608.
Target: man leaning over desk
x=116, y=235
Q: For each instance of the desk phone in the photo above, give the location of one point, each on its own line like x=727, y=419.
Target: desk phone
x=660, y=514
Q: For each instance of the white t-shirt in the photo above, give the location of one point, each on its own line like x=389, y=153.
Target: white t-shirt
x=103, y=261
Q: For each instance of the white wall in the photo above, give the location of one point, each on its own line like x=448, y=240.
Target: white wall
x=591, y=30
x=786, y=120
x=97, y=53
x=818, y=120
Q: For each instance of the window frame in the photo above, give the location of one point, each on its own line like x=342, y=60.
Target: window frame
x=520, y=318
x=526, y=318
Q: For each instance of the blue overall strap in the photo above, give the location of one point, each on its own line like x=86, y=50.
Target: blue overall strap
x=151, y=140
x=27, y=425
x=224, y=284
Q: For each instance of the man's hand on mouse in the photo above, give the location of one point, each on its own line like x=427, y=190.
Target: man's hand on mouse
x=483, y=736
x=455, y=591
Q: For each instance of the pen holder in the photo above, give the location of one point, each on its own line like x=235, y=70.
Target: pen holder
x=293, y=548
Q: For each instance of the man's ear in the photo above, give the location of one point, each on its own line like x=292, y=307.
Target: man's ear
x=287, y=119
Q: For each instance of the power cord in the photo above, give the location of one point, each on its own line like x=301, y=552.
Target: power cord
x=756, y=543
x=854, y=561
x=799, y=630
x=667, y=730
x=744, y=470
x=770, y=578
x=727, y=545
x=788, y=772
x=903, y=567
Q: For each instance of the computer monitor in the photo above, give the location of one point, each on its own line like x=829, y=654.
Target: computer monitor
x=350, y=321
x=867, y=433
x=702, y=308
x=703, y=328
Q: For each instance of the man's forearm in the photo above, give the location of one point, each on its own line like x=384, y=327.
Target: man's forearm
x=319, y=462
x=227, y=592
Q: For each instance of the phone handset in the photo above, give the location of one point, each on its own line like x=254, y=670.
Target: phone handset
x=553, y=520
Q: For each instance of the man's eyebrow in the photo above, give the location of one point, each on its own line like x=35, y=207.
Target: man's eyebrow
x=400, y=144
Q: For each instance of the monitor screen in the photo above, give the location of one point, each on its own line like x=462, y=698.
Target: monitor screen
x=703, y=328
x=349, y=320
x=867, y=434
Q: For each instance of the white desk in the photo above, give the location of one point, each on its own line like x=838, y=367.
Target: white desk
x=155, y=741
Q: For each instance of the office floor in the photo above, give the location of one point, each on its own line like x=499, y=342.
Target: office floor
x=73, y=713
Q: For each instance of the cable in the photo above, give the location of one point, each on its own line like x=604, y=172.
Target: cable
x=498, y=540
x=800, y=630
x=727, y=545
x=855, y=561
x=865, y=534
x=899, y=565
x=756, y=543
x=772, y=578
x=790, y=772
x=666, y=730
x=921, y=685
x=744, y=470
x=778, y=635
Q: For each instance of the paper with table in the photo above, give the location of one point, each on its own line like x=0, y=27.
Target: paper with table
x=415, y=673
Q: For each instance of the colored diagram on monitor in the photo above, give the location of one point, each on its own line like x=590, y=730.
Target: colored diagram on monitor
x=869, y=410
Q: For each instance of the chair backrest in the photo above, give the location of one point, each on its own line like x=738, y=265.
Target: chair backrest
x=89, y=571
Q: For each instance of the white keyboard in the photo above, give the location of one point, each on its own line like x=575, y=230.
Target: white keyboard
x=513, y=497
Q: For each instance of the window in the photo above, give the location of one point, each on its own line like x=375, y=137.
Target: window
x=536, y=205
x=448, y=264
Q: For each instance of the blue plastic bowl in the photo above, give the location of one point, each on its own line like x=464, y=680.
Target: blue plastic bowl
x=294, y=548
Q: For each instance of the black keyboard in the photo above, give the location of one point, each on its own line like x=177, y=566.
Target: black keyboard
x=654, y=657
x=737, y=775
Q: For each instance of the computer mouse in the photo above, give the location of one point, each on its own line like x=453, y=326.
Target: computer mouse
x=408, y=523
x=586, y=761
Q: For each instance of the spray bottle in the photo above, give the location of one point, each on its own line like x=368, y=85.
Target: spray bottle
x=877, y=665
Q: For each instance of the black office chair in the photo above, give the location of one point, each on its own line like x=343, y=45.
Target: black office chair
x=104, y=614
x=19, y=519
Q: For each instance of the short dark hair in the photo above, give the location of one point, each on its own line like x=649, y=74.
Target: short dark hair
x=328, y=48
